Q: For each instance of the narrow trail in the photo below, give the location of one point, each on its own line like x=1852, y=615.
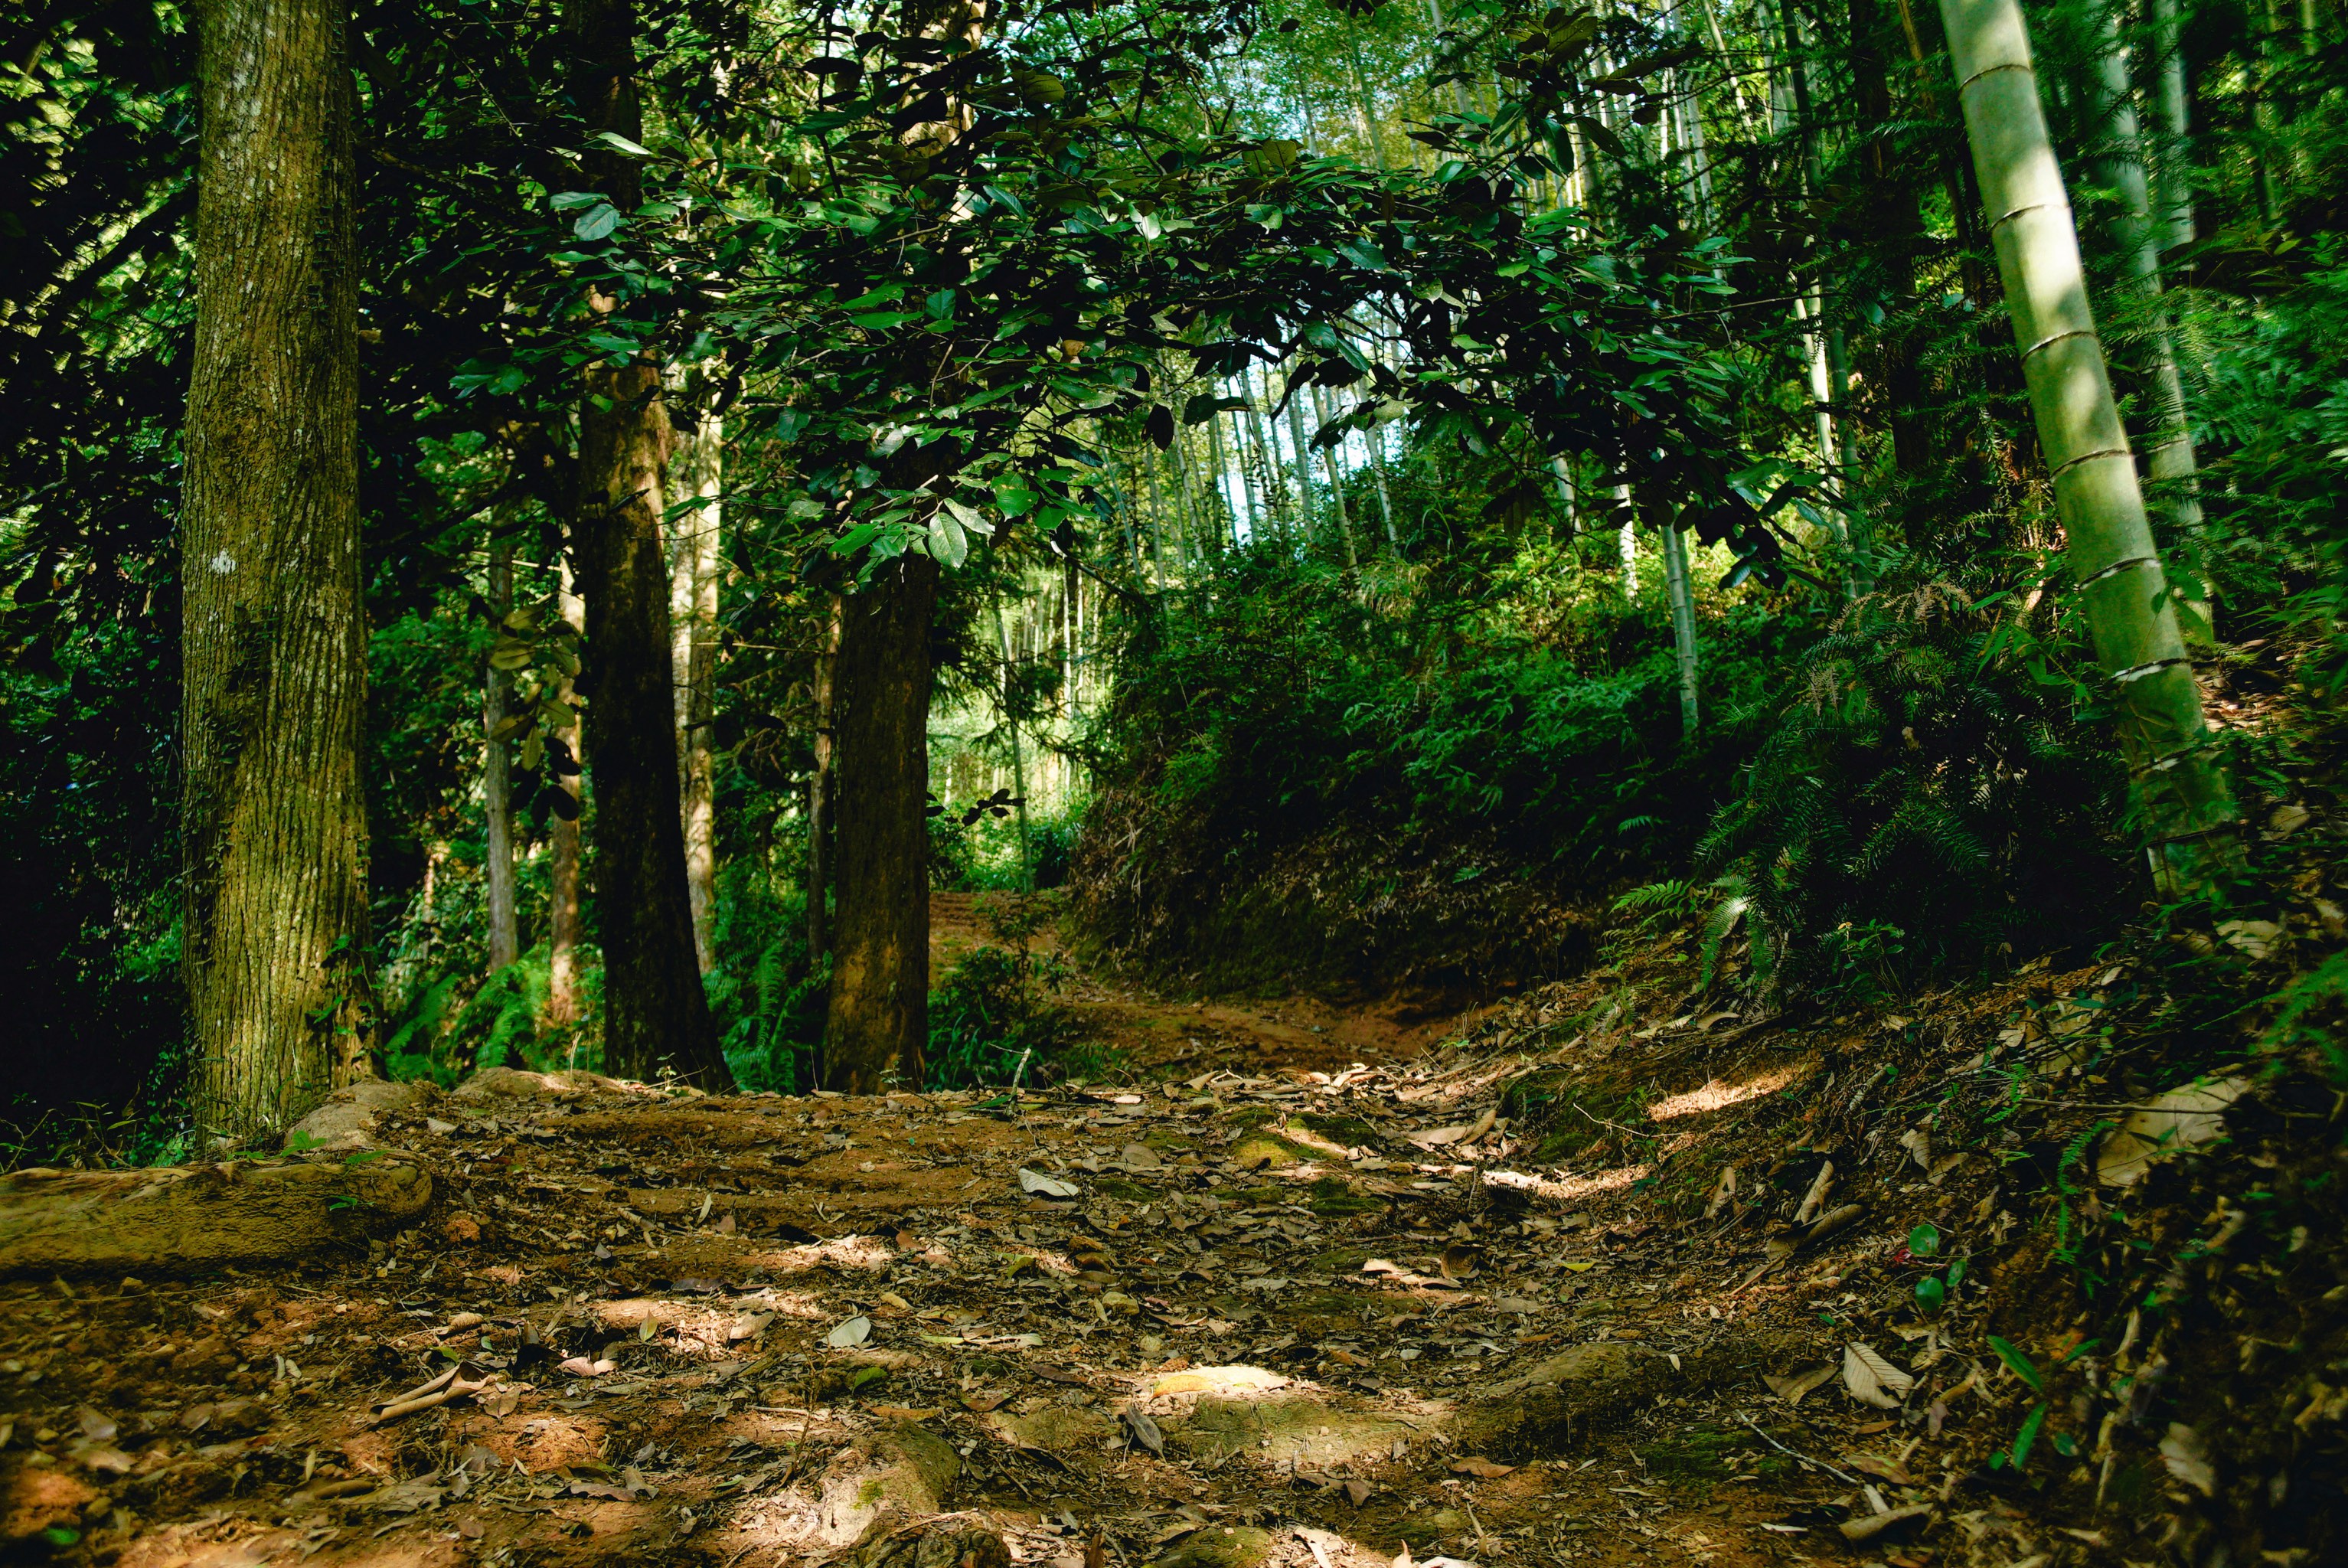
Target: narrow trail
x=1343, y=1309
x=1158, y=1036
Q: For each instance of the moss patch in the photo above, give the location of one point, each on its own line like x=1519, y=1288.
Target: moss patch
x=1350, y=1130
x=1706, y=1454
x=1336, y=1195
x=1267, y=1151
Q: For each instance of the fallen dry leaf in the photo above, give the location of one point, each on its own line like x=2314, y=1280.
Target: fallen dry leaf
x=1793, y=1385
x=1872, y=1379
x=1045, y=1186
x=1477, y=1465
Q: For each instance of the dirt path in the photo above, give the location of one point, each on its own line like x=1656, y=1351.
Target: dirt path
x=1158, y=1036
x=1442, y=1307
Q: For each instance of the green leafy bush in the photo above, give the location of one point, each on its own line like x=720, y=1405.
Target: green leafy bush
x=1918, y=806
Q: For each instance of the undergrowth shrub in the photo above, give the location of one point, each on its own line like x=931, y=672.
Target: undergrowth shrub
x=1918, y=808
x=995, y=1020
x=1367, y=777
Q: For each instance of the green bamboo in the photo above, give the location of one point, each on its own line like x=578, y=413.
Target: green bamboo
x=2180, y=791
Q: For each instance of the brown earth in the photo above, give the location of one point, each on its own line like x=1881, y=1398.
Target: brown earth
x=1155, y=1034
x=1595, y=1279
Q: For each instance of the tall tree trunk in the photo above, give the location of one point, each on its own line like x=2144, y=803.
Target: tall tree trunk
x=1018, y=756
x=2175, y=125
x=497, y=793
x=655, y=1016
x=1336, y=479
x=2181, y=794
x=693, y=653
x=879, y=1021
x=1226, y=523
x=823, y=786
x=1627, y=544
x=564, y=926
x=1681, y=592
x=274, y=696
x=2176, y=473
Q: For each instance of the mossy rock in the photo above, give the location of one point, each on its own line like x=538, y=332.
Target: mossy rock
x=1166, y=1138
x=1128, y=1192
x=1247, y=1116
x=1261, y=1196
x=1221, y=1546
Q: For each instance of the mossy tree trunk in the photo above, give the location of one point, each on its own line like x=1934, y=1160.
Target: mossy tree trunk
x=273, y=813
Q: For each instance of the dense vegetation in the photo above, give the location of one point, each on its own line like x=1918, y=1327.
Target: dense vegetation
x=1364, y=498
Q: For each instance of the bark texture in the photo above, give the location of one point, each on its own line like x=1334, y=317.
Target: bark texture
x=692, y=620
x=819, y=794
x=497, y=793
x=2181, y=794
x=272, y=814
x=655, y=1016
x=562, y=834
x=879, y=1021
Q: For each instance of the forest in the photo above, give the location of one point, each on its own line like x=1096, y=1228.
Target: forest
x=1653, y=689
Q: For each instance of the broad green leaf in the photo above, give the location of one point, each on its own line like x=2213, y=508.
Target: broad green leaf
x=948, y=543
x=613, y=139
x=2026, y=1439
x=2017, y=1363
x=599, y=223
x=1924, y=1241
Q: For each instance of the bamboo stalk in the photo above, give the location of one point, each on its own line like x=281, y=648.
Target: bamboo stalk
x=2181, y=794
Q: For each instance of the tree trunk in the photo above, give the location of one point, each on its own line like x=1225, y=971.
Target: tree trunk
x=821, y=787
x=2180, y=792
x=2176, y=189
x=274, y=696
x=1336, y=479
x=563, y=841
x=656, y=1016
x=1628, y=545
x=1682, y=595
x=497, y=794
x=2175, y=470
x=693, y=652
x=879, y=1021
x=1018, y=756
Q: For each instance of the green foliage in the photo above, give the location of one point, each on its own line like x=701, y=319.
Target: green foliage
x=768, y=1001
x=1528, y=736
x=993, y=1021
x=1922, y=804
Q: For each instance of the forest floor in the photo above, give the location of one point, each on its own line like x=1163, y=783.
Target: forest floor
x=1310, y=1287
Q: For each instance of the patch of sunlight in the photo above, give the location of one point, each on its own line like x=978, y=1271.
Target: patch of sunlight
x=1569, y=1189
x=1716, y=1094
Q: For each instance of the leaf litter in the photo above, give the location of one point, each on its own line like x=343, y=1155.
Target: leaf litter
x=1267, y=1313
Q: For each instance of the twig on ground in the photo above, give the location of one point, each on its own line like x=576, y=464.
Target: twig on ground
x=1790, y=1454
